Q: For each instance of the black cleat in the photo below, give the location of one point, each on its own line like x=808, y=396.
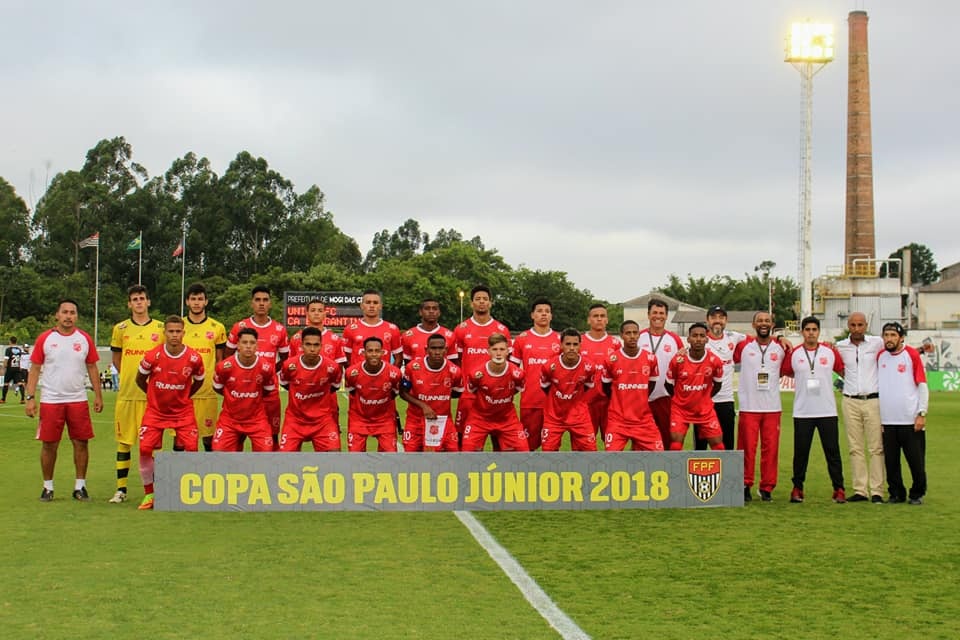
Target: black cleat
x=47, y=495
x=81, y=495
x=747, y=497
x=916, y=500
x=857, y=497
x=877, y=499
x=765, y=496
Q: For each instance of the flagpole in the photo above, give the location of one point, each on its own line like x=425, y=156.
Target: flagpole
x=183, y=267
x=96, y=299
x=140, y=258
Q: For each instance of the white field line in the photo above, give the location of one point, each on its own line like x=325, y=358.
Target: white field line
x=536, y=596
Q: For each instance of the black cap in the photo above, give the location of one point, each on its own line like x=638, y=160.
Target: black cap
x=895, y=326
x=716, y=309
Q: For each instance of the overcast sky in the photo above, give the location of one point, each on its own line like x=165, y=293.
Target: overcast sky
x=617, y=141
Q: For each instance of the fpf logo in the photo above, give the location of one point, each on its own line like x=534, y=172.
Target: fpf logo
x=704, y=476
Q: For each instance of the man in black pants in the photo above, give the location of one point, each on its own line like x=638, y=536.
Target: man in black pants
x=14, y=374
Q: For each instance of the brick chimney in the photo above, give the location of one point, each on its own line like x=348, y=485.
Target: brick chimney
x=860, y=239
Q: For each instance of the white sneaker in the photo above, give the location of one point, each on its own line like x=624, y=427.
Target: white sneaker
x=118, y=497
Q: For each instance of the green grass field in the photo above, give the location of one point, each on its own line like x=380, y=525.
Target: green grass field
x=814, y=570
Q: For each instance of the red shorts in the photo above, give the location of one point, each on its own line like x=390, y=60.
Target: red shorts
x=510, y=435
x=358, y=432
x=271, y=404
x=228, y=434
x=413, y=438
x=598, y=411
x=464, y=402
x=640, y=437
x=532, y=421
x=583, y=437
x=76, y=415
x=325, y=435
x=707, y=428
x=185, y=435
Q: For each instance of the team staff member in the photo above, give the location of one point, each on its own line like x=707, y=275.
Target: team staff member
x=272, y=345
x=170, y=374
x=311, y=379
x=494, y=385
x=722, y=344
x=207, y=337
x=131, y=340
x=244, y=379
x=415, y=339
x=904, y=399
x=761, y=360
x=664, y=345
x=693, y=378
x=373, y=386
x=596, y=346
x=66, y=355
x=428, y=386
x=565, y=380
x=812, y=365
x=532, y=349
x=629, y=375
x=861, y=409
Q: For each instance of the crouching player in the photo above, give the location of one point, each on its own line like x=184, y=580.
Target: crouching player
x=310, y=379
x=428, y=386
x=244, y=379
x=693, y=378
x=169, y=374
x=493, y=413
x=373, y=386
x=565, y=379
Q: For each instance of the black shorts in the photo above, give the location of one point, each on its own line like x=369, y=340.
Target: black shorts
x=15, y=376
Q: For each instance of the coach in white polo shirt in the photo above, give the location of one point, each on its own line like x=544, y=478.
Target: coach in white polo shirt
x=812, y=365
x=904, y=398
x=861, y=409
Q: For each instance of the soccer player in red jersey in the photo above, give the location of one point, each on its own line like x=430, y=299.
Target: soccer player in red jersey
x=331, y=346
x=472, y=338
x=311, y=379
x=629, y=375
x=565, y=379
x=414, y=340
x=531, y=350
x=243, y=380
x=428, y=386
x=272, y=346
x=596, y=346
x=692, y=379
x=493, y=413
x=664, y=345
x=373, y=386
x=371, y=325
x=169, y=374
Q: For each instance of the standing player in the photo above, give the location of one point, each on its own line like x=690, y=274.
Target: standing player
x=131, y=340
x=472, y=337
x=664, y=345
x=565, y=379
x=429, y=384
x=272, y=346
x=66, y=356
x=812, y=365
x=170, y=374
x=371, y=325
x=904, y=399
x=761, y=360
x=494, y=385
x=414, y=340
x=207, y=337
x=629, y=375
x=13, y=375
x=331, y=346
x=373, y=386
x=722, y=344
x=692, y=380
x=531, y=350
x=311, y=379
x=243, y=380
x=596, y=346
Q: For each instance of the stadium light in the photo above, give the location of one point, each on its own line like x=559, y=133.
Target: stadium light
x=809, y=49
x=461, y=305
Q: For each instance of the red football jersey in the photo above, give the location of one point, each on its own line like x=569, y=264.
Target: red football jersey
x=168, y=384
x=357, y=332
x=331, y=346
x=371, y=395
x=432, y=387
x=566, y=402
x=271, y=338
x=494, y=393
x=414, y=342
x=531, y=351
x=309, y=388
x=692, y=382
x=629, y=378
x=243, y=389
x=471, y=339
x=597, y=351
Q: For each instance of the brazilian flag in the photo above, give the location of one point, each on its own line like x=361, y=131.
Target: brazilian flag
x=135, y=244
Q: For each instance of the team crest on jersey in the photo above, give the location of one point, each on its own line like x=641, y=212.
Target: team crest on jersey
x=154, y=337
x=291, y=366
x=478, y=374
x=209, y=335
x=274, y=340
x=555, y=348
x=354, y=373
x=679, y=359
x=823, y=361
x=386, y=386
x=613, y=357
x=646, y=370
x=774, y=357
x=901, y=368
x=415, y=366
x=667, y=348
x=704, y=476
x=227, y=364
x=186, y=371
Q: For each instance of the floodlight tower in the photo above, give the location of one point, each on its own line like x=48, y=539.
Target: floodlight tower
x=809, y=49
